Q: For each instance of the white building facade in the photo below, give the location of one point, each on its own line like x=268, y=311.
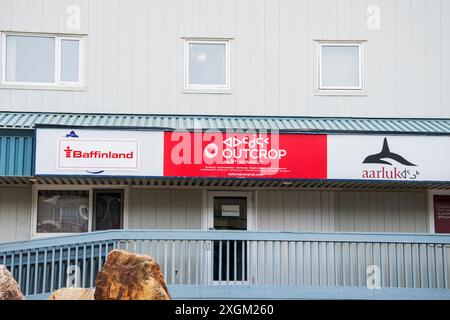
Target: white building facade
x=255, y=148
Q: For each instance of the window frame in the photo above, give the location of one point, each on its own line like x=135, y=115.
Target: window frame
x=91, y=189
x=341, y=90
x=58, y=83
x=207, y=88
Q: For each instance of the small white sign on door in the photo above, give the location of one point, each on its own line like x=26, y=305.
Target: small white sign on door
x=230, y=210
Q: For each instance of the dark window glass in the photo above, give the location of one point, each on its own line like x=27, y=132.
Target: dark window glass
x=107, y=210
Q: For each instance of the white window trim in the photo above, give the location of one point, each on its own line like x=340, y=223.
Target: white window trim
x=340, y=90
x=58, y=83
x=200, y=88
x=431, y=194
x=90, y=189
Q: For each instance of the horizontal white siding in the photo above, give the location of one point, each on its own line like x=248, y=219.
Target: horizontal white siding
x=15, y=213
x=381, y=211
x=344, y=211
x=164, y=209
x=134, y=55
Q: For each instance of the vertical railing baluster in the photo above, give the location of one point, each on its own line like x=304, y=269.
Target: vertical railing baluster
x=344, y=271
x=398, y=261
x=297, y=283
x=311, y=264
x=166, y=276
x=281, y=263
x=100, y=255
x=12, y=265
x=173, y=261
x=358, y=265
x=250, y=262
x=444, y=258
x=52, y=275
x=228, y=262
x=44, y=276
x=235, y=261
x=181, y=264
x=244, y=260
x=327, y=262
x=220, y=262
x=428, y=264
x=258, y=270
x=413, y=264
x=211, y=267
x=350, y=254
x=273, y=263
x=92, y=266
x=27, y=289
x=388, y=248
x=203, y=262
x=405, y=266
x=84, y=267
x=60, y=270
x=188, y=258
x=288, y=263
x=76, y=263
x=319, y=262
x=36, y=270
x=196, y=259
x=158, y=253
x=336, y=274
x=436, y=267
x=20, y=269
x=421, y=277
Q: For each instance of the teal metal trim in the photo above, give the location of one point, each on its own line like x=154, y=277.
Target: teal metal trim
x=16, y=153
x=29, y=120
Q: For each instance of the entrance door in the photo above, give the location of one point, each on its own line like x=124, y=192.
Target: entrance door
x=108, y=210
x=229, y=211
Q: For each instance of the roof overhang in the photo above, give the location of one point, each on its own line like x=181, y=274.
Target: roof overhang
x=226, y=183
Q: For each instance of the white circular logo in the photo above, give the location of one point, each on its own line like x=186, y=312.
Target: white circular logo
x=211, y=150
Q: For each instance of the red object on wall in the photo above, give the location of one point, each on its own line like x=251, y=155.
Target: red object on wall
x=246, y=155
x=442, y=213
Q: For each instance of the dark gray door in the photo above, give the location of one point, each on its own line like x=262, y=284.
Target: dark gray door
x=108, y=210
x=230, y=213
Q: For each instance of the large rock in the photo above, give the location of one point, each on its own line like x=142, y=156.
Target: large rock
x=72, y=294
x=9, y=288
x=128, y=276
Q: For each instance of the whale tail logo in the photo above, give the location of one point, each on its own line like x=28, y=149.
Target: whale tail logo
x=387, y=154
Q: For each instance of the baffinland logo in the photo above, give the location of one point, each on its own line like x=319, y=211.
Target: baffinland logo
x=387, y=158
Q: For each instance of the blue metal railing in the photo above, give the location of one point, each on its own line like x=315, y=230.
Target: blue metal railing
x=243, y=264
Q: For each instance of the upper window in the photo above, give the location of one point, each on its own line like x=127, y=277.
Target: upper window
x=340, y=66
x=42, y=60
x=207, y=64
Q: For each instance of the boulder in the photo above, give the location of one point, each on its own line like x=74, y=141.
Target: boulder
x=128, y=276
x=9, y=288
x=72, y=294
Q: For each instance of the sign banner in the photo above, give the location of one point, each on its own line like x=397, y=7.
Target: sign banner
x=98, y=152
x=400, y=158
x=243, y=155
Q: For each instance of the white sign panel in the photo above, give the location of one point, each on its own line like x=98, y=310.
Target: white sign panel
x=99, y=152
x=400, y=158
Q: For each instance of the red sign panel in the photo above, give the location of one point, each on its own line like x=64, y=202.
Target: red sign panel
x=236, y=155
x=442, y=214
